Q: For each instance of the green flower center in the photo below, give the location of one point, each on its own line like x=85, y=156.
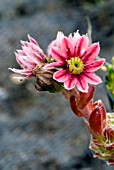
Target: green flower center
x=75, y=65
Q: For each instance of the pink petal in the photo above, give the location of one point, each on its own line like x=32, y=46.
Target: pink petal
x=23, y=58
x=32, y=40
x=67, y=46
x=30, y=45
x=26, y=72
x=92, y=78
x=18, y=60
x=50, y=47
x=70, y=83
x=36, y=49
x=24, y=78
x=59, y=37
x=23, y=62
x=61, y=75
x=25, y=43
x=82, y=84
x=58, y=55
x=38, y=57
x=54, y=64
x=94, y=66
x=91, y=53
x=70, y=37
x=81, y=46
x=21, y=52
x=76, y=37
x=31, y=55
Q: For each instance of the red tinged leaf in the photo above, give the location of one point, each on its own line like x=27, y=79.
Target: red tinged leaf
x=86, y=97
x=95, y=122
x=103, y=113
x=74, y=107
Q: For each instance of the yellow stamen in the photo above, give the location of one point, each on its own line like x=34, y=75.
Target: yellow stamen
x=75, y=65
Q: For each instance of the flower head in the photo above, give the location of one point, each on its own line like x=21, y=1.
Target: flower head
x=75, y=59
x=32, y=61
x=30, y=58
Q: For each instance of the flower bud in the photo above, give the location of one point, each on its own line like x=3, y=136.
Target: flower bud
x=45, y=81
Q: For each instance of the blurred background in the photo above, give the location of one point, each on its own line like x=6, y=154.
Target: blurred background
x=38, y=131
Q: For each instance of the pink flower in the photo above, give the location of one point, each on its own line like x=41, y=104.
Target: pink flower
x=75, y=60
x=30, y=58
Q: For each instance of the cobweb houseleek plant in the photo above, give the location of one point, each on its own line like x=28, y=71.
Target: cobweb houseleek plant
x=69, y=67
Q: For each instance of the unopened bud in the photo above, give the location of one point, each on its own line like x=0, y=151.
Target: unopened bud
x=45, y=82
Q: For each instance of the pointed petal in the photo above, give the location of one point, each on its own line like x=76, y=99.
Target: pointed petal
x=25, y=43
x=81, y=46
x=58, y=55
x=82, y=84
x=61, y=75
x=76, y=37
x=94, y=66
x=24, y=78
x=59, y=37
x=70, y=83
x=50, y=47
x=54, y=64
x=24, y=62
x=70, y=37
x=22, y=71
x=91, y=78
x=67, y=46
x=38, y=57
x=36, y=49
x=91, y=53
x=32, y=40
x=18, y=60
x=31, y=55
x=21, y=52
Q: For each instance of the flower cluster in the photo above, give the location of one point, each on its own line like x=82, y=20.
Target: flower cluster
x=75, y=59
x=72, y=57
x=30, y=58
x=32, y=61
x=69, y=67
